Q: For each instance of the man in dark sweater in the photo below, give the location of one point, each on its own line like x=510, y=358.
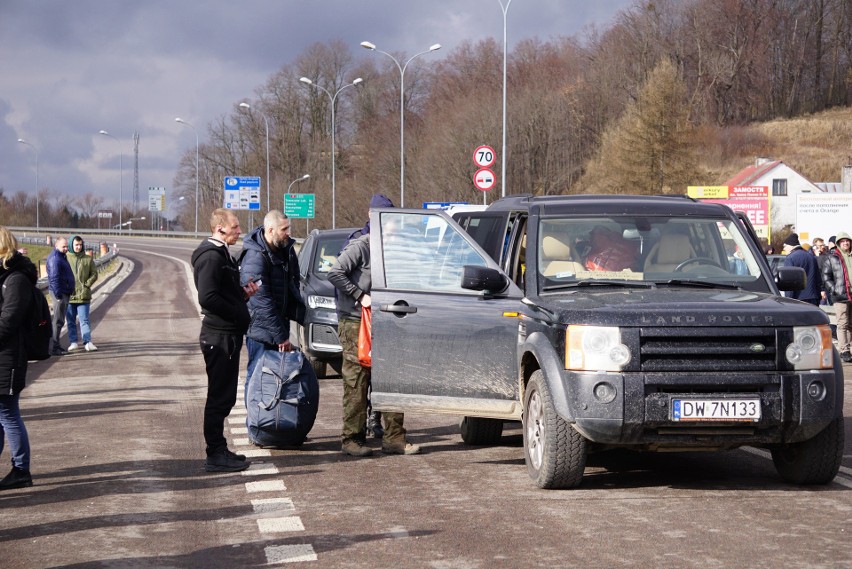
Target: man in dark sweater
x=798, y=257
x=225, y=321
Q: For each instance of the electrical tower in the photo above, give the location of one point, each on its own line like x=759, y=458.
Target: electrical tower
x=135, y=173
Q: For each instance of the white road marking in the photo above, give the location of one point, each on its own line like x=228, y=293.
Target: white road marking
x=265, y=486
x=236, y=420
x=239, y=430
x=278, y=525
x=259, y=469
x=237, y=412
x=255, y=452
x=241, y=442
x=266, y=505
x=289, y=553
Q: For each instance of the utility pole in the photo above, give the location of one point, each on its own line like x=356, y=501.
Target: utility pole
x=136, y=172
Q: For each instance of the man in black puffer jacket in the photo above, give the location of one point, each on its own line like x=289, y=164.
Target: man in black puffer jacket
x=268, y=259
x=225, y=320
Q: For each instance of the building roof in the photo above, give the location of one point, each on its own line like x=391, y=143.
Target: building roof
x=748, y=176
x=830, y=187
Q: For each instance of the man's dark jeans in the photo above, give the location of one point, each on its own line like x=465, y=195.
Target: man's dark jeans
x=222, y=360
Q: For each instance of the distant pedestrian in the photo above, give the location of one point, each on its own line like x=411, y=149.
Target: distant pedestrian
x=17, y=278
x=85, y=275
x=60, y=280
x=798, y=257
x=225, y=321
x=836, y=275
x=350, y=274
x=820, y=250
x=270, y=261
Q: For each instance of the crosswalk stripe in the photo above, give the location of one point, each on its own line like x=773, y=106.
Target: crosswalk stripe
x=277, y=525
x=276, y=554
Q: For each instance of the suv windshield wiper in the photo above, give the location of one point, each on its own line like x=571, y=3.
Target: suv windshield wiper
x=701, y=284
x=594, y=283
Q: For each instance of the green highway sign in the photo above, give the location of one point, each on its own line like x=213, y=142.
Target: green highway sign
x=299, y=206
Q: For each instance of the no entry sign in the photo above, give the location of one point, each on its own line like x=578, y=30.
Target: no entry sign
x=484, y=179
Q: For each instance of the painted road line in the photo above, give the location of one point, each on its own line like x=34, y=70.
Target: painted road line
x=236, y=420
x=265, y=486
x=280, y=525
x=241, y=442
x=839, y=479
x=239, y=412
x=259, y=469
x=276, y=554
x=266, y=505
x=256, y=452
x=239, y=430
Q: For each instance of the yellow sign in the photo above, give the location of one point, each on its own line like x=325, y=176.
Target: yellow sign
x=705, y=192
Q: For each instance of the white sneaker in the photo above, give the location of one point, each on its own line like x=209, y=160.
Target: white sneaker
x=73, y=346
x=90, y=347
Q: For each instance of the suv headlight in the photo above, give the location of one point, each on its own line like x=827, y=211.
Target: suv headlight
x=811, y=348
x=595, y=348
x=326, y=302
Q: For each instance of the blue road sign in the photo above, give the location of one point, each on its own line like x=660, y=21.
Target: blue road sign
x=242, y=192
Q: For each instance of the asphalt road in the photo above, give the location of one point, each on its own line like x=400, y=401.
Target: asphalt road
x=117, y=465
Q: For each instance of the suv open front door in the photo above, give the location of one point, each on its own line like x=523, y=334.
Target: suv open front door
x=438, y=347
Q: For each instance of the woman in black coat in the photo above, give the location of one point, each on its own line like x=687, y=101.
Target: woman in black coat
x=17, y=277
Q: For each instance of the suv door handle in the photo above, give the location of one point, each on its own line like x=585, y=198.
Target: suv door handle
x=398, y=308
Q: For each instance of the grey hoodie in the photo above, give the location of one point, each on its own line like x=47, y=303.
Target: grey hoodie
x=351, y=276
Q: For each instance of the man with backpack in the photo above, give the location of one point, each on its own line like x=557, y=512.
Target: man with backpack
x=61, y=285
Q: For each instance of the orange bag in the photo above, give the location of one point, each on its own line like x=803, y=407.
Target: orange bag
x=365, y=338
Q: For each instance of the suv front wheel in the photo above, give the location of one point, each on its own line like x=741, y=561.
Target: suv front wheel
x=555, y=453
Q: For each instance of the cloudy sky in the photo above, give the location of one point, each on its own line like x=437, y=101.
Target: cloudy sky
x=69, y=69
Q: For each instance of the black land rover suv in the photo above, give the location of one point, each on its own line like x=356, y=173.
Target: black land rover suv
x=652, y=323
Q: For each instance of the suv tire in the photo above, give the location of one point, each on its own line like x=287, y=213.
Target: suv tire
x=814, y=461
x=477, y=431
x=555, y=453
x=320, y=367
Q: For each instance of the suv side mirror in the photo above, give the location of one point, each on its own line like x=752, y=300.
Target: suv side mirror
x=483, y=278
x=791, y=278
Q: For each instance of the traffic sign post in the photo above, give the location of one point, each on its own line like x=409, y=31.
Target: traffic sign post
x=300, y=206
x=484, y=179
x=242, y=192
x=484, y=156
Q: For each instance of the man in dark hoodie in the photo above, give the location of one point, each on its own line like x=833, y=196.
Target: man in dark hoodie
x=798, y=257
x=225, y=320
x=269, y=260
x=85, y=275
x=60, y=281
x=17, y=278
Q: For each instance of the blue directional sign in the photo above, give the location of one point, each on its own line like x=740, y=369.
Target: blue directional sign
x=242, y=192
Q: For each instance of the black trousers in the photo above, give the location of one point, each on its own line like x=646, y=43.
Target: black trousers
x=222, y=360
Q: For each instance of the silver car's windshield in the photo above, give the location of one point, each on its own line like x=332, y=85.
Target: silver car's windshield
x=656, y=250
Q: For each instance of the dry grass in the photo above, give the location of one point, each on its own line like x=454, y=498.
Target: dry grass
x=817, y=146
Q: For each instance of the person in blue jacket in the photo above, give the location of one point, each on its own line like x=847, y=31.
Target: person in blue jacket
x=798, y=257
x=60, y=280
x=269, y=259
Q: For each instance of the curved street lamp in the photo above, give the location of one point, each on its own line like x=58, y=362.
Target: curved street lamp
x=181, y=121
x=332, y=99
x=302, y=179
x=22, y=141
x=120, y=175
x=372, y=47
x=268, y=179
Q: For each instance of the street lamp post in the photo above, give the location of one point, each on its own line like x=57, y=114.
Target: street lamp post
x=301, y=179
x=181, y=121
x=120, y=175
x=503, y=154
x=22, y=141
x=332, y=99
x=268, y=179
x=371, y=46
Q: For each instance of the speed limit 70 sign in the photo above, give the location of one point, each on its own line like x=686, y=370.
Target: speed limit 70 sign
x=483, y=156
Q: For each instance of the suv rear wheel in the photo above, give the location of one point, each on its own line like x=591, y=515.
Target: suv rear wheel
x=555, y=453
x=479, y=431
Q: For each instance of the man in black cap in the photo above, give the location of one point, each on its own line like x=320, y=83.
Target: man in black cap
x=798, y=257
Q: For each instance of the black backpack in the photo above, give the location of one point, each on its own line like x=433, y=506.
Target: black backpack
x=38, y=328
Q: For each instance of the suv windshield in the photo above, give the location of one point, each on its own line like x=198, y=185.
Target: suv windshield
x=656, y=250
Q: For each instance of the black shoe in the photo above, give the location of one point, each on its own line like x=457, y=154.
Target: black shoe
x=58, y=352
x=846, y=356
x=17, y=478
x=240, y=457
x=374, y=425
x=222, y=462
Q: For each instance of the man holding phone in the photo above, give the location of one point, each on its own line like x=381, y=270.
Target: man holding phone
x=268, y=260
x=225, y=320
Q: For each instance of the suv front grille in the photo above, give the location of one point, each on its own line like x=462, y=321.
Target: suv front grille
x=708, y=349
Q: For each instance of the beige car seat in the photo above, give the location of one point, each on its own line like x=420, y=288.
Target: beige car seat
x=672, y=250
x=558, y=257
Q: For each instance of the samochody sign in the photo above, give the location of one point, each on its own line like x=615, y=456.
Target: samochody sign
x=753, y=200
